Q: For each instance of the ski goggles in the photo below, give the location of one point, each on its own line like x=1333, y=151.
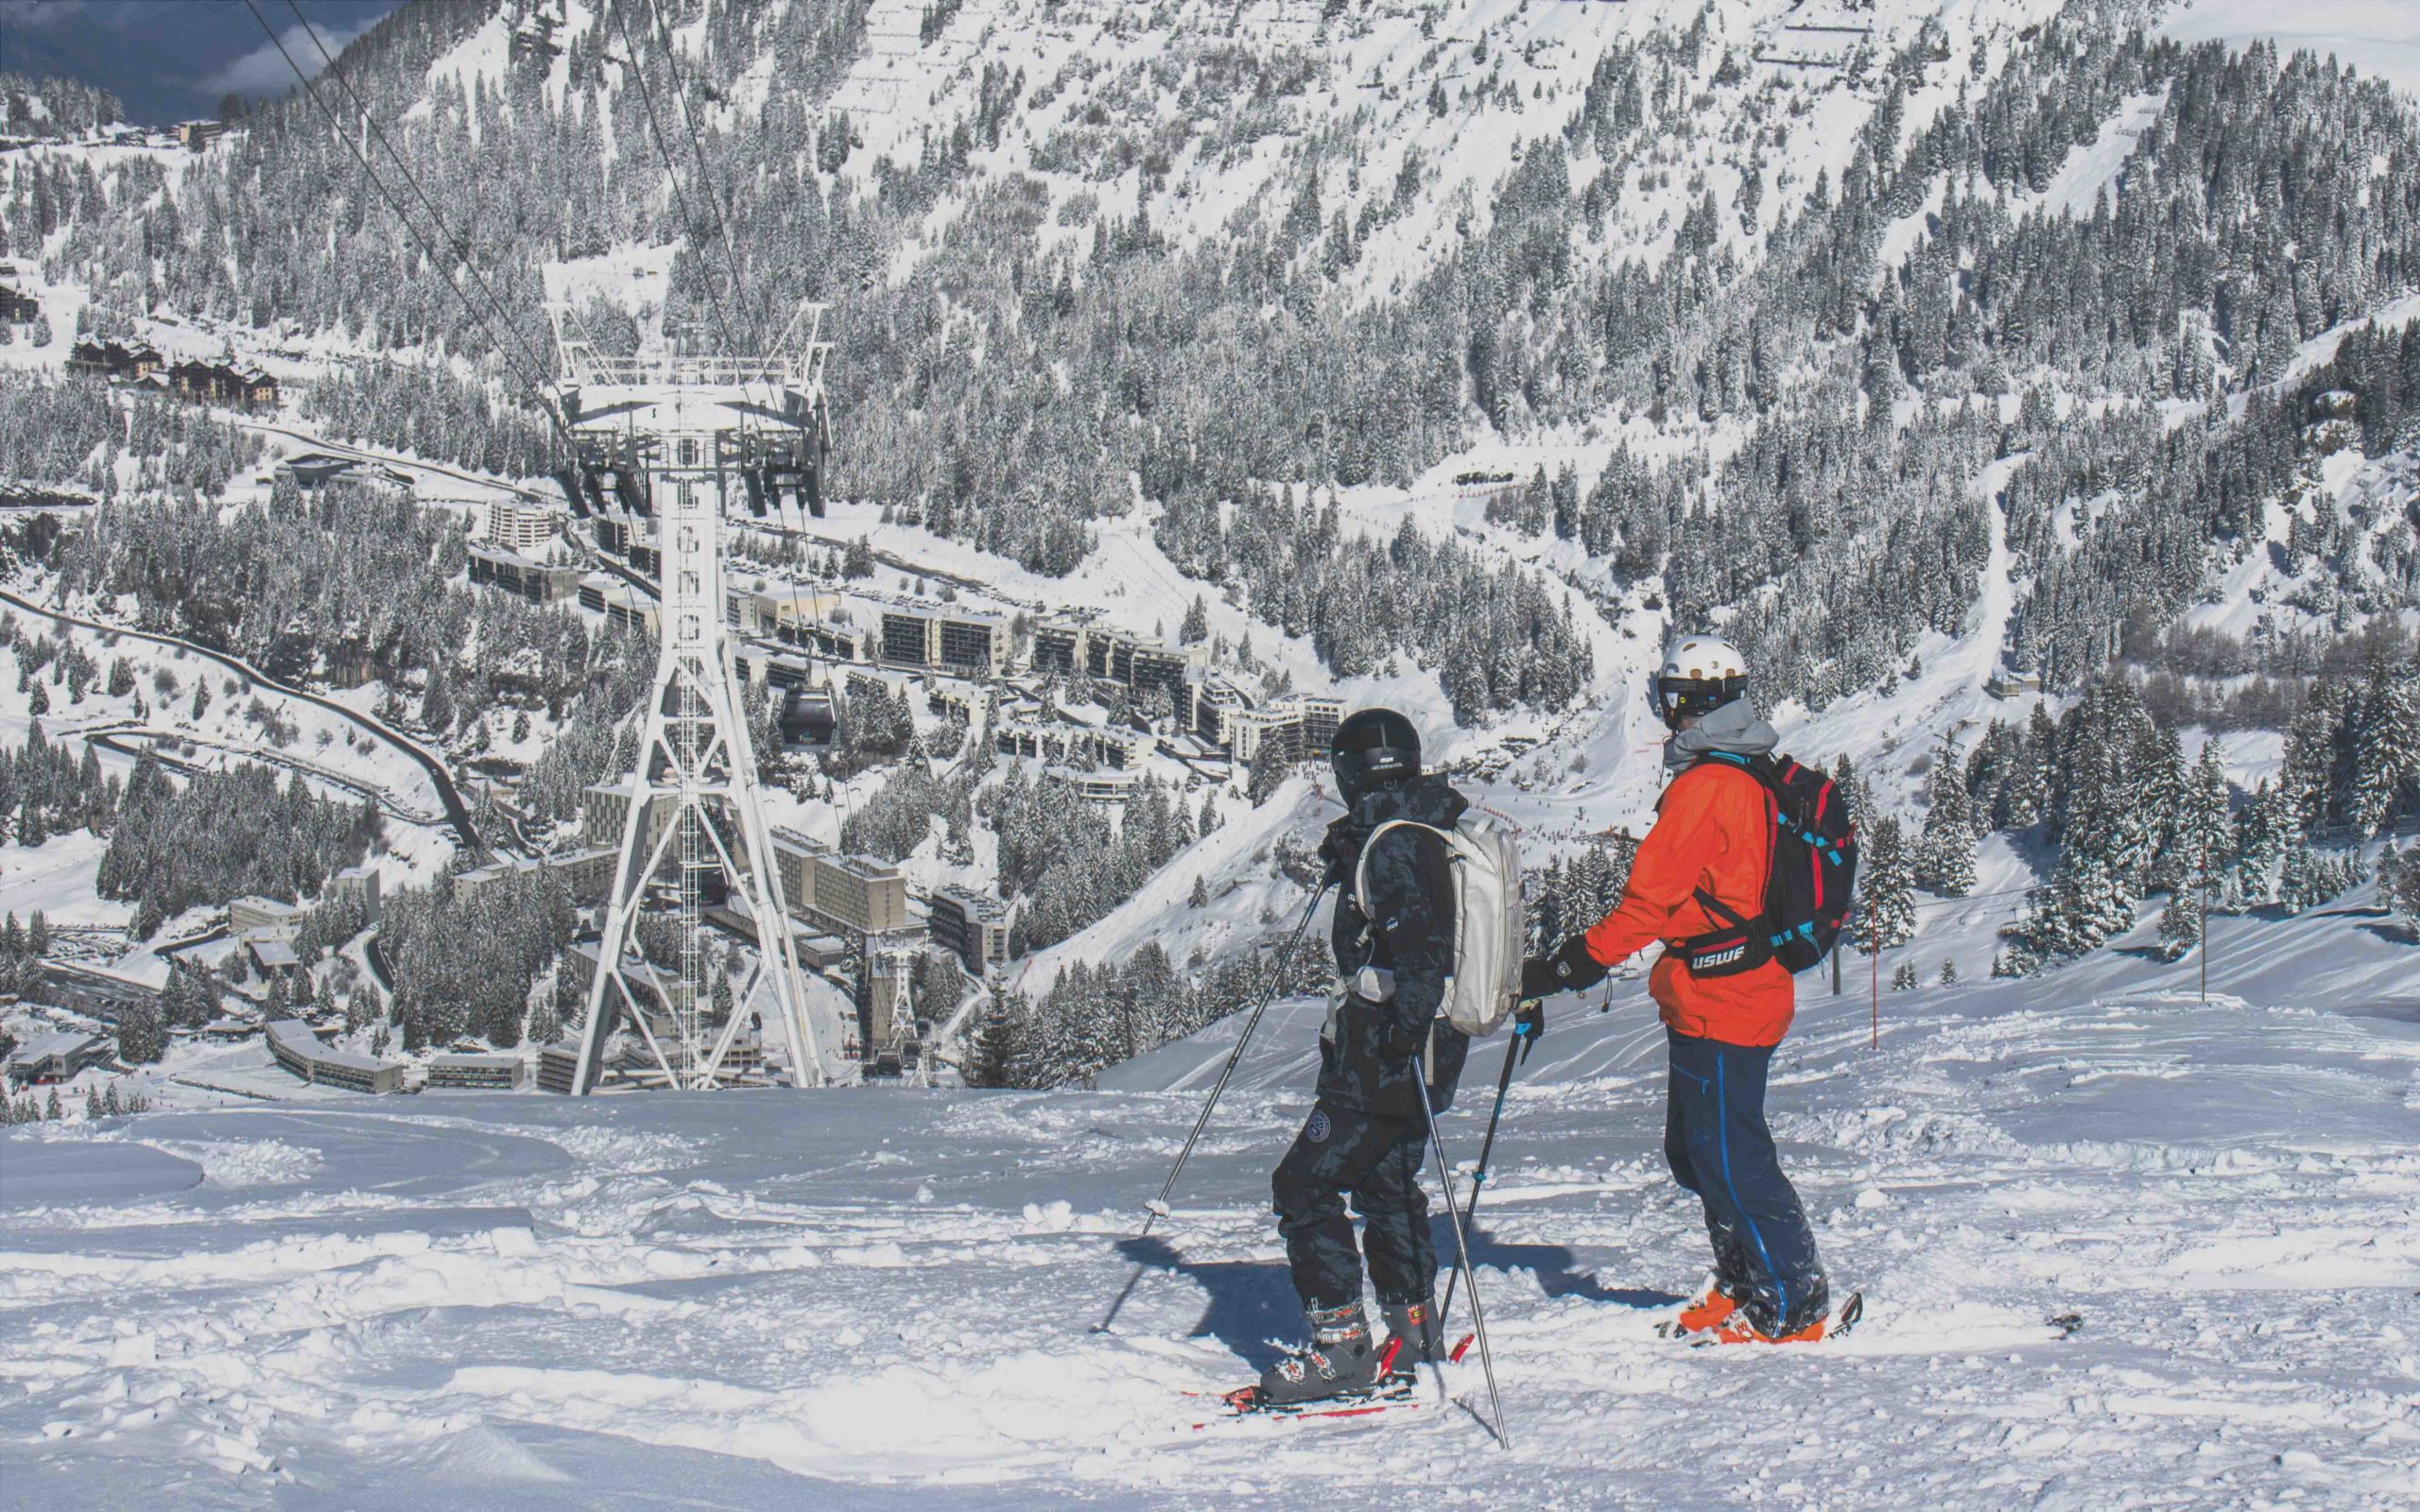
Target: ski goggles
x=1678, y=698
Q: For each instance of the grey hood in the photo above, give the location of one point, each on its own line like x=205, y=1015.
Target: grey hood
x=1736, y=728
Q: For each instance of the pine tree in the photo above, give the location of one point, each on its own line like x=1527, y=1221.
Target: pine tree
x=1905, y=977
x=2264, y=831
x=1944, y=859
x=1196, y=627
x=1888, y=890
x=1199, y=897
x=2205, y=835
x=142, y=1037
x=2385, y=764
x=2180, y=924
x=1948, y=973
x=2402, y=885
x=1266, y=774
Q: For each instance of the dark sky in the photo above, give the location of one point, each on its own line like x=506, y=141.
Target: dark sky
x=172, y=59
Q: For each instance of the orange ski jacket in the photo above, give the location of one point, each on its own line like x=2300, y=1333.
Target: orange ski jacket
x=1714, y=830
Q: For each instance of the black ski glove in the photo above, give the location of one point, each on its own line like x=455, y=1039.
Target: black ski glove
x=1537, y=979
x=1529, y=1023
x=1569, y=969
x=1338, y=853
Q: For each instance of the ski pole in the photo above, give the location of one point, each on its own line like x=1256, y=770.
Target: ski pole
x=1519, y=1044
x=1463, y=1250
x=1157, y=1208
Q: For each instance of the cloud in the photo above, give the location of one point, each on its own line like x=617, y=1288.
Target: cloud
x=39, y=13
x=265, y=71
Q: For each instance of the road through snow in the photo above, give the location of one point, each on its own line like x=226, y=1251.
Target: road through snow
x=871, y=1297
x=458, y=813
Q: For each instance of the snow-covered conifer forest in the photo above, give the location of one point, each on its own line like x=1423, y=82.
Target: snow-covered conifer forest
x=2029, y=389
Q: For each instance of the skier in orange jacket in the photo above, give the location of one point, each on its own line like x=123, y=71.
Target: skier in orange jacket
x=1698, y=876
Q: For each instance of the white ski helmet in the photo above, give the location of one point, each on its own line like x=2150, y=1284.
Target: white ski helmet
x=1701, y=674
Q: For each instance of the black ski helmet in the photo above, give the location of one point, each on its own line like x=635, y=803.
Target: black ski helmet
x=1373, y=749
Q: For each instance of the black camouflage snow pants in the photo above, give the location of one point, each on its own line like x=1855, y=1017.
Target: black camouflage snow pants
x=1375, y=1161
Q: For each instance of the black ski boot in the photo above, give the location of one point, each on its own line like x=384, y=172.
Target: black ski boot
x=1341, y=1361
x=1420, y=1329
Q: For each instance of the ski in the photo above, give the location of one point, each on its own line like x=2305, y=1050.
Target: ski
x=1834, y=1325
x=1393, y=1393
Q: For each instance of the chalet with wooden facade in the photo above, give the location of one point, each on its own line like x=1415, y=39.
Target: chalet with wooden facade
x=117, y=361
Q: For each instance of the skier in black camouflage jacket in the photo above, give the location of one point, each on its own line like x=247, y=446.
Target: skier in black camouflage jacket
x=1381, y=1046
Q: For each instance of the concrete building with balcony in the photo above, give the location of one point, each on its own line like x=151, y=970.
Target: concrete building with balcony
x=855, y=894
x=767, y=663
x=604, y=807
x=1144, y=665
x=1215, y=700
x=461, y=1072
x=586, y=872
x=940, y=638
x=618, y=530
x=1094, y=784
x=59, y=1056
x=262, y=916
x=830, y=640
x=625, y=607
x=973, y=926
x=357, y=885
x=498, y=567
x=1301, y=724
x=1069, y=744
x=297, y=1048
x=765, y=608
x=273, y=960
x=519, y=525
x=963, y=703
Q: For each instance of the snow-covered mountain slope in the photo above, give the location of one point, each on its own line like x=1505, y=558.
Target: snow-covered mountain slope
x=2114, y=1244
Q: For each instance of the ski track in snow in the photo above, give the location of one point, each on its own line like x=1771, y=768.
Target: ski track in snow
x=855, y=1297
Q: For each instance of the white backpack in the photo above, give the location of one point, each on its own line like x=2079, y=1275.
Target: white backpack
x=1489, y=928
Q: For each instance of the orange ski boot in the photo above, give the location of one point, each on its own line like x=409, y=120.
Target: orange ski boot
x=1713, y=1307
x=1738, y=1329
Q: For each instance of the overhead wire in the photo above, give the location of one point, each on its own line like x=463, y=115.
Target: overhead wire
x=705, y=176
x=371, y=174
x=537, y=363
x=655, y=133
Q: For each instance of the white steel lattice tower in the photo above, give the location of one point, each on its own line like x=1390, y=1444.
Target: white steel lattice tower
x=680, y=437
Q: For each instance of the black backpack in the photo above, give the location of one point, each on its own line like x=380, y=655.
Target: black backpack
x=1808, y=887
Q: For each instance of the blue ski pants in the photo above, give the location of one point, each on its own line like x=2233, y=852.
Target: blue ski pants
x=1718, y=1147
